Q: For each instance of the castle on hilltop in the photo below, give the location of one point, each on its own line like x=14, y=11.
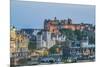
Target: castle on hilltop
x=55, y=24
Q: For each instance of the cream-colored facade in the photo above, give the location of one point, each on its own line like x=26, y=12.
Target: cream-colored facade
x=12, y=41
x=18, y=46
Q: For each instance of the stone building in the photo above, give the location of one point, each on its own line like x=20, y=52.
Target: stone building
x=55, y=25
x=18, y=46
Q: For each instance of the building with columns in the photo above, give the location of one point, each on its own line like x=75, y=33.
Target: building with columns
x=18, y=46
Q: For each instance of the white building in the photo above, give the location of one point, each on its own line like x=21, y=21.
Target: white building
x=40, y=42
x=46, y=39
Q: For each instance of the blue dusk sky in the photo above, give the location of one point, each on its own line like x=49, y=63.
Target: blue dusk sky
x=29, y=14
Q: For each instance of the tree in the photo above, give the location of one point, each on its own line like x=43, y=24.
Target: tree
x=78, y=33
x=92, y=40
x=53, y=49
x=32, y=45
x=68, y=33
x=45, y=53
